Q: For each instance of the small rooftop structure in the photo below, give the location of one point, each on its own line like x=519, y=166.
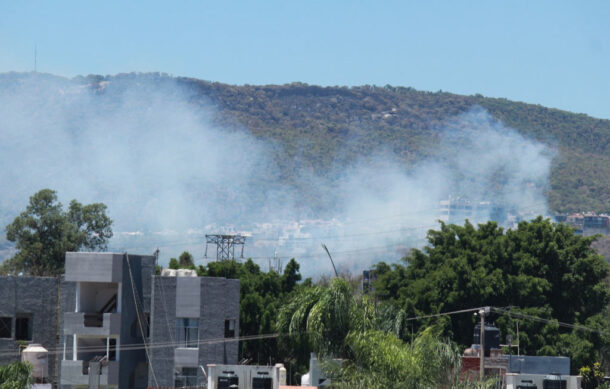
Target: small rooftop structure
x=246, y=376
x=178, y=273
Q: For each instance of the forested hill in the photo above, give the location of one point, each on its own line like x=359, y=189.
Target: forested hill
x=317, y=127
x=342, y=122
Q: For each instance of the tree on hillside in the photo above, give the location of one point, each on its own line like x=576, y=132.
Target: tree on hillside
x=44, y=232
x=540, y=269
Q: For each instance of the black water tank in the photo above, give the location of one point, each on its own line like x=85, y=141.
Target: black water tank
x=554, y=381
x=227, y=382
x=527, y=385
x=492, y=337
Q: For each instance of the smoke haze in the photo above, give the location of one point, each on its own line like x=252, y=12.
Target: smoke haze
x=169, y=176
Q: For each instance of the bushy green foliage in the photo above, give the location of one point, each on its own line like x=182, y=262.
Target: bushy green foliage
x=381, y=360
x=17, y=375
x=44, y=232
x=540, y=269
x=184, y=261
x=336, y=322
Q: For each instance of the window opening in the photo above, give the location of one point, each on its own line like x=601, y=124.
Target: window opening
x=262, y=383
x=5, y=327
x=23, y=327
x=230, y=328
x=187, y=332
x=186, y=377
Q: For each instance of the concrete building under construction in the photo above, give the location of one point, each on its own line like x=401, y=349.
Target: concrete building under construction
x=110, y=321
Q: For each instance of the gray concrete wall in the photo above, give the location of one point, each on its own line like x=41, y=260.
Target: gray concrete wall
x=163, y=330
x=188, y=290
x=218, y=299
x=93, y=267
x=142, y=268
x=37, y=296
x=114, y=268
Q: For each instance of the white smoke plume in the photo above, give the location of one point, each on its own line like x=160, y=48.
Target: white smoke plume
x=168, y=176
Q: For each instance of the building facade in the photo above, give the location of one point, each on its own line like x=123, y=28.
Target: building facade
x=104, y=318
x=30, y=313
x=195, y=322
x=110, y=312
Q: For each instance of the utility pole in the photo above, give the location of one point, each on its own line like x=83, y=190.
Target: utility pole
x=331, y=259
x=482, y=313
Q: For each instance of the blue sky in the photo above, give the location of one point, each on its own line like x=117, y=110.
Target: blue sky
x=554, y=53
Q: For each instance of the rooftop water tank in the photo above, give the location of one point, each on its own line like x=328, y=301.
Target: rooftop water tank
x=38, y=356
x=492, y=337
x=554, y=381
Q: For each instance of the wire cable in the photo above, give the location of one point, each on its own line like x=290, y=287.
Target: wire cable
x=135, y=300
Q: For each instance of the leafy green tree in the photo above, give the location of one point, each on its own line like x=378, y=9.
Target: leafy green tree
x=322, y=316
x=44, y=232
x=381, y=360
x=291, y=275
x=335, y=322
x=173, y=263
x=539, y=269
x=17, y=375
x=185, y=260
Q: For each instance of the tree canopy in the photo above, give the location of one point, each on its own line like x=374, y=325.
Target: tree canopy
x=540, y=269
x=44, y=232
x=337, y=322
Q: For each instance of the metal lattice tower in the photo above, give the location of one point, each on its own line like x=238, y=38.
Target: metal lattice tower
x=225, y=246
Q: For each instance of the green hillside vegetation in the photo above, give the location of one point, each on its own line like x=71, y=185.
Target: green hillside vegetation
x=319, y=130
x=318, y=126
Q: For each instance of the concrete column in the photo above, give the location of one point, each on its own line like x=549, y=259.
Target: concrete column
x=65, y=340
x=74, y=351
x=119, y=294
x=107, y=348
x=118, y=348
x=77, y=305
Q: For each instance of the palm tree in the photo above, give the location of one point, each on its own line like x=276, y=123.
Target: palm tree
x=367, y=341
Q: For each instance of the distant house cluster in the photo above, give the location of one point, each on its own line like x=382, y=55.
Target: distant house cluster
x=587, y=223
x=456, y=210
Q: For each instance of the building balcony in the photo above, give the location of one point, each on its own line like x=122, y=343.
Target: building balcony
x=72, y=373
x=184, y=356
x=81, y=323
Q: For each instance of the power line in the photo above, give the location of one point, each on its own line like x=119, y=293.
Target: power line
x=508, y=312
x=444, y=314
x=135, y=300
x=152, y=345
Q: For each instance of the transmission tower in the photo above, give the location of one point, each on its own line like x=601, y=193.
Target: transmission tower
x=225, y=246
